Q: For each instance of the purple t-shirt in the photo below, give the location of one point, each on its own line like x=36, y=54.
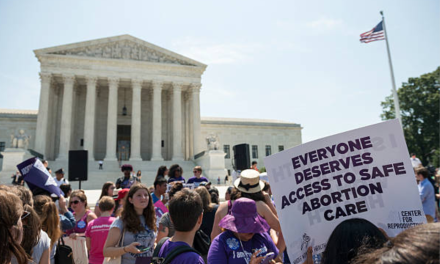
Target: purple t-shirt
x=184, y=258
x=181, y=179
x=226, y=248
x=197, y=181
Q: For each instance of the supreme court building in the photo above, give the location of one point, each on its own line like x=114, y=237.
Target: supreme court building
x=122, y=98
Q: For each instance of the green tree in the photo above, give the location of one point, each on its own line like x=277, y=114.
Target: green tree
x=419, y=107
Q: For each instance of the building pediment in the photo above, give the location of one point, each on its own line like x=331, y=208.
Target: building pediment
x=123, y=47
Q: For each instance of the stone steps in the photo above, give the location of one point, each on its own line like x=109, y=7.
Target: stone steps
x=111, y=172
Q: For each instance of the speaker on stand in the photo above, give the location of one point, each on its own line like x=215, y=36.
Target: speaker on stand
x=241, y=157
x=78, y=165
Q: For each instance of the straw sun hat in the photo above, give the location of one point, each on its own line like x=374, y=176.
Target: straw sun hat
x=249, y=181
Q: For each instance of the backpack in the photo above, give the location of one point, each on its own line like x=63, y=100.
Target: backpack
x=171, y=255
x=202, y=242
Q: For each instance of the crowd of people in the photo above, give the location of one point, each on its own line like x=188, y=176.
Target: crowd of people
x=197, y=227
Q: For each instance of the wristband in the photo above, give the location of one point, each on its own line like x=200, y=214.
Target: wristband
x=124, y=249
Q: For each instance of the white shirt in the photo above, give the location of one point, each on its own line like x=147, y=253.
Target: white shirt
x=415, y=162
x=62, y=181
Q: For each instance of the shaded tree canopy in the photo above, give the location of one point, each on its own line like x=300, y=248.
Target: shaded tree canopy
x=419, y=100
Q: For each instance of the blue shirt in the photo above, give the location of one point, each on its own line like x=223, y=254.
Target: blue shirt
x=67, y=221
x=155, y=198
x=427, y=195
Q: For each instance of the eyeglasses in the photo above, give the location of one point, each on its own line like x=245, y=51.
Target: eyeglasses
x=113, y=187
x=25, y=214
x=75, y=202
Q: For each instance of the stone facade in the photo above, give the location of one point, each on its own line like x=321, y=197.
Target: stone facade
x=258, y=133
x=111, y=94
x=101, y=94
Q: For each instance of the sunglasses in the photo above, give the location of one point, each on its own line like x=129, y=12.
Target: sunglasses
x=75, y=202
x=25, y=214
x=112, y=188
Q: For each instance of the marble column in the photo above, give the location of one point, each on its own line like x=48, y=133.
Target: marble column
x=43, y=114
x=135, y=154
x=112, y=119
x=66, y=117
x=156, y=143
x=177, y=122
x=89, y=122
x=196, y=118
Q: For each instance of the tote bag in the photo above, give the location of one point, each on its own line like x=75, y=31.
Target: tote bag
x=79, y=249
x=117, y=260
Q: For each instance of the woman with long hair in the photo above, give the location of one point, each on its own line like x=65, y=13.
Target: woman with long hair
x=139, y=175
x=162, y=171
x=209, y=210
x=175, y=174
x=137, y=225
x=78, y=202
x=50, y=221
x=107, y=190
x=36, y=242
x=11, y=228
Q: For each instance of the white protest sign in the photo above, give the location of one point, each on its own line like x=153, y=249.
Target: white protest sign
x=185, y=185
x=363, y=173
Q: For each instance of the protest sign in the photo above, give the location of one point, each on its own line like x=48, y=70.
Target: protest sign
x=363, y=173
x=160, y=210
x=185, y=185
x=36, y=176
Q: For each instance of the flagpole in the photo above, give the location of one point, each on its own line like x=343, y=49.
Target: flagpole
x=396, y=98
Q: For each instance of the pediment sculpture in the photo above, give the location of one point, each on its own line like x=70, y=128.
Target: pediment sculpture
x=20, y=139
x=125, y=50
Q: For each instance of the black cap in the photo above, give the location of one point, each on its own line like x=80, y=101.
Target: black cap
x=60, y=171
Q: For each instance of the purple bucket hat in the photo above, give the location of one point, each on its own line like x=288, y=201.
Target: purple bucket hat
x=244, y=218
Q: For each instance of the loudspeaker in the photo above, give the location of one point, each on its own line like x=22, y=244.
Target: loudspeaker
x=78, y=165
x=242, y=160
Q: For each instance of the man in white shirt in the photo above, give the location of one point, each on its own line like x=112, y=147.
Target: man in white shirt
x=59, y=177
x=415, y=161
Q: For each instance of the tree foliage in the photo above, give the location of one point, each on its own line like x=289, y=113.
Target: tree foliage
x=419, y=107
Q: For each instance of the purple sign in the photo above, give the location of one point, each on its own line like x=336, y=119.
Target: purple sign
x=36, y=176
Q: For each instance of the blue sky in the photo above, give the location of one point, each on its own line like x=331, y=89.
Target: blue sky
x=297, y=61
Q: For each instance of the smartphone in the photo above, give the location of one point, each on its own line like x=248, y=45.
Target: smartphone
x=142, y=248
x=269, y=256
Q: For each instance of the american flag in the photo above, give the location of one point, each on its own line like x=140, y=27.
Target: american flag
x=375, y=34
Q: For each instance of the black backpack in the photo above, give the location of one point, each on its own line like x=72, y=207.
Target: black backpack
x=202, y=242
x=171, y=255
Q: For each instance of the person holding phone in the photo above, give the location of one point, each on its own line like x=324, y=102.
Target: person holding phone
x=246, y=240
x=137, y=226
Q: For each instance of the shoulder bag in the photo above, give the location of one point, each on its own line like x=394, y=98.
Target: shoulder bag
x=116, y=260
